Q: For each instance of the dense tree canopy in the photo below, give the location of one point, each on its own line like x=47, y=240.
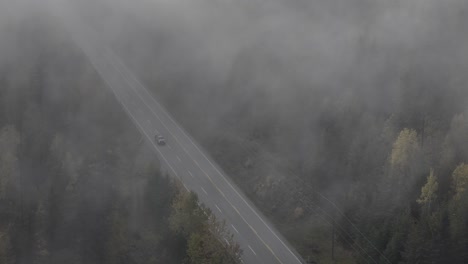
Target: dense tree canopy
x=76, y=184
x=355, y=147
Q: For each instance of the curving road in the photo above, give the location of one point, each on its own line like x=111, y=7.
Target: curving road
x=183, y=157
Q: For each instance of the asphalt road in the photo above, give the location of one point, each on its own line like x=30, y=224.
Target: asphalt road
x=183, y=158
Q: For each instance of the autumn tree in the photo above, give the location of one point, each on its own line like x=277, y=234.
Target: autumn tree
x=405, y=149
x=187, y=216
x=460, y=180
x=455, y=144
x=405, y=162
x=425, y=238
x=458, y=213
x=429, y=191
x=208, y=240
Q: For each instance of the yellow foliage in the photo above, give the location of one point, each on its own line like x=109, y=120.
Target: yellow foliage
x=405, y=147
x=186, y=216
x=428, y=191
x=460, y=179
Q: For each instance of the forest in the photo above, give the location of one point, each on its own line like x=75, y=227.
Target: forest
x=344, y=121
x=77, y=182
x=352, y=137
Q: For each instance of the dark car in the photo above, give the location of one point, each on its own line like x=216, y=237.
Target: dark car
x=160, y=140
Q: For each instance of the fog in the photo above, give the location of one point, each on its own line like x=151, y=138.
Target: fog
x=289, y=49
x=291, y=61
x=296, y=95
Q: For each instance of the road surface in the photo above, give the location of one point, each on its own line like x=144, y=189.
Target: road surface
x=183, y=158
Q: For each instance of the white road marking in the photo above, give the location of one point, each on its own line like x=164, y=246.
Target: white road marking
x=203, y=154
x=252, y=250
x=190, y=173
x=218, y=208
x=222, y=193
x=204, y=190
x=227, y=242
x=235, y=208
x=235, y=229
x=134, y=120
x=179, y=159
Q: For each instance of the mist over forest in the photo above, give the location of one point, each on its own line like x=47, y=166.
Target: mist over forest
x=337, y=118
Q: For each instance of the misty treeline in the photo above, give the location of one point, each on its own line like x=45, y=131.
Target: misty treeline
x=345, y=115
x=78, y=184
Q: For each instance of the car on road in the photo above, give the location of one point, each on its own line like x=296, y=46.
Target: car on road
x=160, y=140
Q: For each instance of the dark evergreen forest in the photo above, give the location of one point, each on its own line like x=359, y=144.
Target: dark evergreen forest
x=77, y=182
x=345, y=122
